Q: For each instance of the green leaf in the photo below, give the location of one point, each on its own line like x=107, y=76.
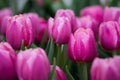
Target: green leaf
x=53, y=72
x=50, y=49
x=33, y=45
x=70, y=77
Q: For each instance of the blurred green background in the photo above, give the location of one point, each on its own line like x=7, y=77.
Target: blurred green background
x=47, y=8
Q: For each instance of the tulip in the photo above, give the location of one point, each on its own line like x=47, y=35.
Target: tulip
x=33, y=64
x=5, y=12
x=39, y=25
x=19, y=29
x=60, y=29
x=106, y=69
x=82, y=46
x=4, y=25
x=59, y=73
x=111, y=14
x=70, y=15
x=7, y=62
x=109, y=35
x=88, y=22
x=95, y=12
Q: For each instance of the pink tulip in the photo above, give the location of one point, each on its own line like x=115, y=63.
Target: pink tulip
x=33, y=64
x=111, y=14
x=4, y=25
x=106, y=69
x=109, y=35
x=60, y=29
x=19, y=29
x=88, y=22
x=39, y=25
x=7, y=62
x=70, y=15
x=82, y=46
x=59, y=73
x=5, y=12
x=95, y=12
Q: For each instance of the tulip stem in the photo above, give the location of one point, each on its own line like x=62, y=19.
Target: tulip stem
x=114, y=53
x=84, y=74
x=58, y=54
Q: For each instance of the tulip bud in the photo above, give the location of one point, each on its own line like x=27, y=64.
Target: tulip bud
x=82, y=46
x=33, y=64
x=39, y=26
x=70, y=15
x=4, y=25
x=94, y=11
x=60, y=29
x=109, y=35
x=5, y=12
x=19, y=29
x=111, y=14
x=88, y=22
x=106, y=69
x=59, y=73
x=7, y=62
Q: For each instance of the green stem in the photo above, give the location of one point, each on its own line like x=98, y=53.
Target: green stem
x=114, y=53
x=58, y=54
x=13, y=4
x=83, y=71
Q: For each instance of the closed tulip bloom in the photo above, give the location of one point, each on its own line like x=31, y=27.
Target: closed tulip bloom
x=4, y=25
x=70, y=15
x=106, y=69
x=94, y=11
x=19, y=29
x=60, y=29
x=88, y=22
x=59, y=73
x=82, y=46
x=5, y=12
x=33, y=64
x=39, y=26
x=7, y=62
x=109, y=35
x=111, y=14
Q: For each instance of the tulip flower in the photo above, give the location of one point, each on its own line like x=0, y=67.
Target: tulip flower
x=5, y=12
x=7, y=62
x=95, y=12
x=106, y=69
x=60, y=29
x=39, y=26
x=109, y=35
x=70, y=15
x=111, y=14
x=88, y=22
x=19, y=29
x=59, y=73
x=33, y=64
x=4, y=25
x=82, y=46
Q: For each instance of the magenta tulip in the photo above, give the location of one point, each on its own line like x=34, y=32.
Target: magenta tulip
x=88, y=22
x=106, y=69
x=70, y=15
x=19, y=29
x=95, y=12
x=39, y=26
x=4, y=25
x=33, y=64
x=60, y=29
x=59, y=73
x=111, y=14
x=109, y=35
x=7, y=62
x=82, y=46
x=5, y=12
